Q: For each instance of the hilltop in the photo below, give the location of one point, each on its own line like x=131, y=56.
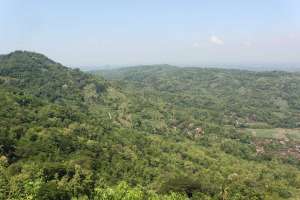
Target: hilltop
x=44, y=78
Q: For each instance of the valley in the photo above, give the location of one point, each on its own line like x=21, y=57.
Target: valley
x=146, y=132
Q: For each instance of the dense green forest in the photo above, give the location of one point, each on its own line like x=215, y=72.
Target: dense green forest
x=219, y=96
x=147, y=132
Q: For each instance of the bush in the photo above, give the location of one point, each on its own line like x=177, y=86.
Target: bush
x=185, y=185
x=50, y=191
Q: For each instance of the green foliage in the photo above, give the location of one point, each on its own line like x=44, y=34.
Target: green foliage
x=124, y=192
x=50, y=191
x=156, y=133
x=253, y=99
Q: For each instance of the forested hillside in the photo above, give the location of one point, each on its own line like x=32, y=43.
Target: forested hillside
x=148, y=132
x=222, y=96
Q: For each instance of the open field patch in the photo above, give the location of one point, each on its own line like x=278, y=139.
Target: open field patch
x=274, y=133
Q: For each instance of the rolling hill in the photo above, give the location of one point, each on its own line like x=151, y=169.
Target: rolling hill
x=151, y=132
x=247, y=97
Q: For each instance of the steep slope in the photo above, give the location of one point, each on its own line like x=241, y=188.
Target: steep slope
x=62, y=138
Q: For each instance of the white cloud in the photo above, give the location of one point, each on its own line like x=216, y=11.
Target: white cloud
x=216, y=40
x=291, y=36
x=196, y=45
x=247, y=44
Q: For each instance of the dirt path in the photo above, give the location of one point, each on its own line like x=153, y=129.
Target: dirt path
x=281, y=134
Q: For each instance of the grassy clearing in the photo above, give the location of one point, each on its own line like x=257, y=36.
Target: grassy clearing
x=294, y=133
x=274, y=133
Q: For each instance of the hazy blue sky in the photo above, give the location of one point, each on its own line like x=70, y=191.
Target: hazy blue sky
x=185, y=32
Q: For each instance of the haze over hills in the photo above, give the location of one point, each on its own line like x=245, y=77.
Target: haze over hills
x=288, y=67
x=150, y=100
x=150, y=132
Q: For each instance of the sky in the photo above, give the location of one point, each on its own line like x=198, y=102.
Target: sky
x=130, y=32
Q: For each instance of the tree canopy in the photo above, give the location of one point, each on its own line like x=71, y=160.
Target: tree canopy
x=150, y=132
